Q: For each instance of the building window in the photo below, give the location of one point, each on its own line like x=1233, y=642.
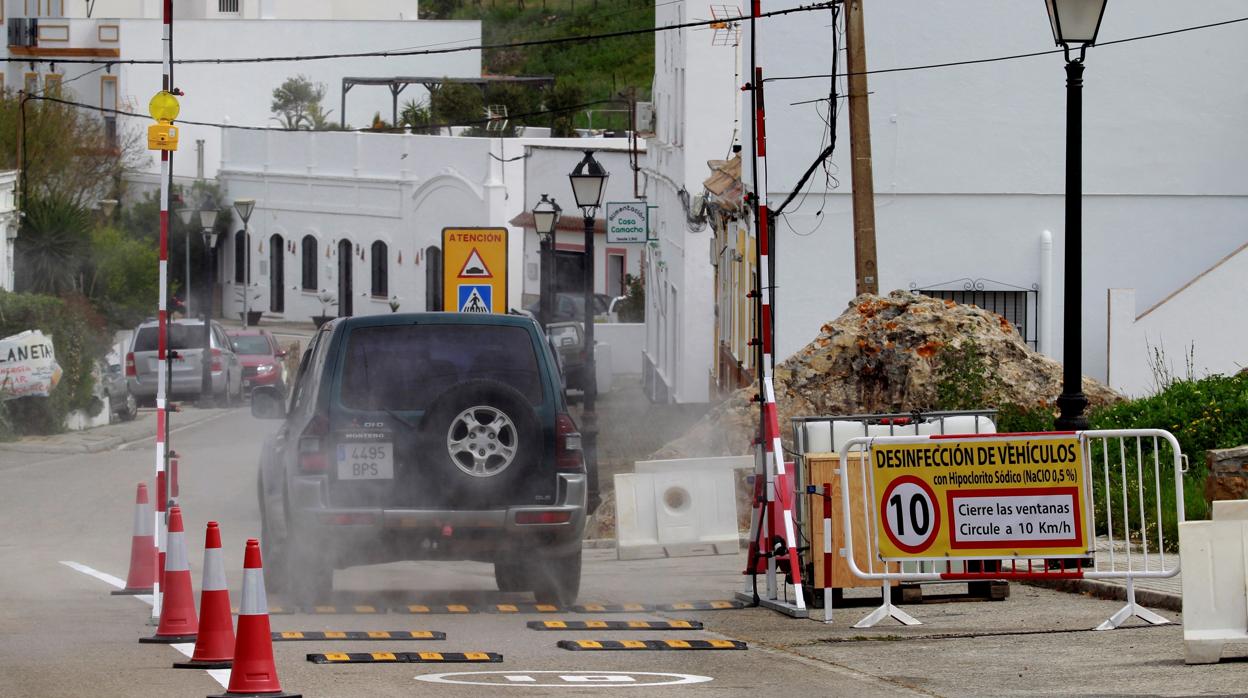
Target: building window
x=227, y=6
x=381, y=269
x=1018, y=307
x=309, y=263
x=240, y=256
x=433, y=278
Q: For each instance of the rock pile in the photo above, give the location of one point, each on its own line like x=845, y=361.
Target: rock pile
x=882, y=355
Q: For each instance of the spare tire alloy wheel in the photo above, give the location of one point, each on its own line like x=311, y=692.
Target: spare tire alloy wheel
x=482, y=441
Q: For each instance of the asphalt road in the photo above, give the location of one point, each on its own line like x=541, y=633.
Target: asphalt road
x=62, y=634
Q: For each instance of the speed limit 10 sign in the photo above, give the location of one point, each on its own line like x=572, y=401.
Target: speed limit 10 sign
x=910, y=514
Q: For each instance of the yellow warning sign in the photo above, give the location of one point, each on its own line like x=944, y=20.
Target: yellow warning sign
x=1001, y=496
x=474, y=270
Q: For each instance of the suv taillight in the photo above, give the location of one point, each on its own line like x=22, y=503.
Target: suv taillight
x=131, y=371
x=314, y=447
x=568, y=445
x=216, y=359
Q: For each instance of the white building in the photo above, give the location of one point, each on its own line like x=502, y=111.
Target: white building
x=10, y=222
x=361, y=215
x=546, y=170
x=969, y=173
x=695, y=103
x=241, y=93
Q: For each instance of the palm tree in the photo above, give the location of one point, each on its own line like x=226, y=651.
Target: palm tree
x=54, y=242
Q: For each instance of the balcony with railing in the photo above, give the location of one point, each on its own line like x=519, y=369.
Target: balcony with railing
x=57, y=37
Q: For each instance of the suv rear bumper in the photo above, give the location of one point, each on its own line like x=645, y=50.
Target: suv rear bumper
x=358, y=535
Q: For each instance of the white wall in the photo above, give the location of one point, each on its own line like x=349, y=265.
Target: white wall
x=695, y=103
x=248, y=9
x=1191, y=324
x=627, y=340
x=364, y=187
x=969, y=161
x=9, y=224
x=241, y=94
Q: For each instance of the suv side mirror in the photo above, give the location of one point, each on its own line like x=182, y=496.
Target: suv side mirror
x=266, y=403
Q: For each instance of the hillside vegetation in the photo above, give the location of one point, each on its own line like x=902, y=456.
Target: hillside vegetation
x=585, y=71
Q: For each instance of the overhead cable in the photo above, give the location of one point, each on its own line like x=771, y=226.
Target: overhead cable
x=422, y=52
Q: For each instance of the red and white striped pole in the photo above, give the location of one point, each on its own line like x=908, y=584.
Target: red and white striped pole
x=773, y=450
x=162, y=318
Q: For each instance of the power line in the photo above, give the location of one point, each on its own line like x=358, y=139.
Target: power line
x=420, y=52
x=1011, y=57
x=392, y=129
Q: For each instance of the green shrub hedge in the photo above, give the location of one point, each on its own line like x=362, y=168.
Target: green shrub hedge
x=79, y=337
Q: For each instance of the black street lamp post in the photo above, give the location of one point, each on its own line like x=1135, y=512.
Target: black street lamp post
x=545, y=220
x=1075, y=24
x=244, y=208
x=589, y=180
x=207, y=223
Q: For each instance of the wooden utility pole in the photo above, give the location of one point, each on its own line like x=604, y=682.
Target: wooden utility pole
x=865, y=273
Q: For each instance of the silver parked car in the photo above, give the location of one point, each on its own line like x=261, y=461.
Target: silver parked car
x=186, y=339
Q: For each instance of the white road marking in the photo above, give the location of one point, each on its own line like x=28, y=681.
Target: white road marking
x=563, y=679
x=221, y=676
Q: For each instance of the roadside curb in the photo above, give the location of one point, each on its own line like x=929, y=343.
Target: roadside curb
x=1113, y=592
x=73, y=443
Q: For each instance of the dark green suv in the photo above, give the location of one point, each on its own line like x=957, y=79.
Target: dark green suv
x=424, y=436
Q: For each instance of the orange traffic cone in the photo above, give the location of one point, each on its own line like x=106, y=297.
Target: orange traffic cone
x=177, y=608
x=214, y=648
x=142, y=548
x=254, y=673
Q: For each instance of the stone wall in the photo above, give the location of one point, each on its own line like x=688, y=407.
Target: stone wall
x=1228, y=474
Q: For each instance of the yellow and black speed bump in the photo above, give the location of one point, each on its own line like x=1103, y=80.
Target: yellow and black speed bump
x=612, y=608
x=364, y=609
x=273, y=610
x=288, y=636
x=615, y=625
x=701, y=606
x=599, y=645
x=405, y=657
x=520, y=608
x=434, y=609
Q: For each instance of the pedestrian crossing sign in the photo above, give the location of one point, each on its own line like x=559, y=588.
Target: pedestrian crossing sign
x=474, y=270
x=475, y=298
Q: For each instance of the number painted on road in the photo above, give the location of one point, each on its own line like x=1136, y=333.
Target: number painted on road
x=567, y=679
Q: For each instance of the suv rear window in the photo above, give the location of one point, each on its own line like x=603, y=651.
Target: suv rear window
x=406, y=367
x=181, y=336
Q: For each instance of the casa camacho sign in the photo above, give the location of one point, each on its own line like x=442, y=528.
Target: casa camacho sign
x=627, y=221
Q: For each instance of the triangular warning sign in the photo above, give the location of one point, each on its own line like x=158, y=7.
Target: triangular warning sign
x=474, y=267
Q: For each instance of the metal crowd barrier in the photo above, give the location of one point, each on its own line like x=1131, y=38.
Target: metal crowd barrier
x=1131, y=480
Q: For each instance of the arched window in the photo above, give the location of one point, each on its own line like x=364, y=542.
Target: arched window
x=309, y=263
x=381, y=269
x=240, y=257
x=277, y=274
x=433, y=278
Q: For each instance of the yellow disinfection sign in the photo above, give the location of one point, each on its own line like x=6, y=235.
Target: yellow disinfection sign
x=1007, y=496
x=474, y=270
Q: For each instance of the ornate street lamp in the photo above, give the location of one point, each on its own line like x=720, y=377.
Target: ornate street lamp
x=589, y=181
x=1075, y=24
x=244, y=208
x=207, y=229
x=545, y=218
x=184, y=214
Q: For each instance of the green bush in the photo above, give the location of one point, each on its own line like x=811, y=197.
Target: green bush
x=79, y=339
x=1203, y=414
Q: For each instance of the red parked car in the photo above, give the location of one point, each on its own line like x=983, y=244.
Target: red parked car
x=261, y=356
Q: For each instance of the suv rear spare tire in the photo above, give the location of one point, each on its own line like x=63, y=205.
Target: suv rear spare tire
x=482, y=436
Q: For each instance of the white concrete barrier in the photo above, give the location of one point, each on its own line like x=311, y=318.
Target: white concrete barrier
x=728, y=463
x=1215, y=603
x=676, y=513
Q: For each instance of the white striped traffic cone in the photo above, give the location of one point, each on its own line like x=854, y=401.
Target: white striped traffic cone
x=177, y=610
x=214, y=647
x=254, y=673
x=142, y=547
